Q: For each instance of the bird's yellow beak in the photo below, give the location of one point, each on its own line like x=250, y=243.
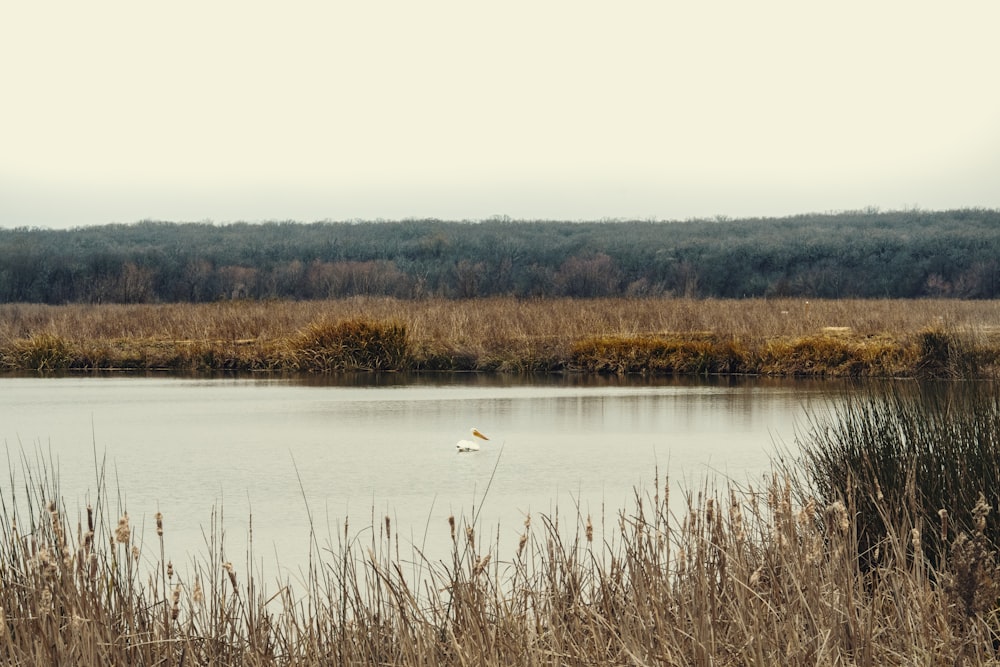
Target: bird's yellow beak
x=476, y=433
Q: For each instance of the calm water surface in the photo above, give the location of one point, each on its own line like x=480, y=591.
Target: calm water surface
x=285, y=450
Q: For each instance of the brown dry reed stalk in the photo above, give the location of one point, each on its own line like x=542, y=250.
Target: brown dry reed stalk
x=881, y=338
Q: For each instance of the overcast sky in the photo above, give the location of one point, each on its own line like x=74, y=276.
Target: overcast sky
x=576, y=110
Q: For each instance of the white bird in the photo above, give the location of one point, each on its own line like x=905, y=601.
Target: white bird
x=471, y=445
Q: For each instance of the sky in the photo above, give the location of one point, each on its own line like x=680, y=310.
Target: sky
x=229, y=111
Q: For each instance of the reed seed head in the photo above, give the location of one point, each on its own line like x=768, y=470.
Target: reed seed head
x=45, y=601
x=176, y=609
x=123, y=532
x=481, y=565
x=590, y=530
x=979, y=513
x=46, y=563
x=807, y=513
x=836, y=517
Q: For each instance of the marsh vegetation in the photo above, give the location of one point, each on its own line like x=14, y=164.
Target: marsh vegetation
x=781, y=337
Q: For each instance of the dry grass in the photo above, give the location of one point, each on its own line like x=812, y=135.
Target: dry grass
x=774, y=337
x=744, y=576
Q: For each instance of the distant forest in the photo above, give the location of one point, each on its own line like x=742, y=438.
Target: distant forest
x=896, y=254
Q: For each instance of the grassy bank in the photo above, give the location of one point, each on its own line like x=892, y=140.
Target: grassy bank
x=788, y=572
x=845, y=338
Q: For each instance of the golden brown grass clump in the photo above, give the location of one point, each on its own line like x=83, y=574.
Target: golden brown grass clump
x=947, y=338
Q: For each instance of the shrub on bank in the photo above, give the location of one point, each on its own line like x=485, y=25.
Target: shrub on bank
x=688, y=355
x=39, y=352
x=351, y=345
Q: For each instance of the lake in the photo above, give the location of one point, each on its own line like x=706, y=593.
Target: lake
x=290, y=452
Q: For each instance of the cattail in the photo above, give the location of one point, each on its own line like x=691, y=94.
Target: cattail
x=807, y=512
x=451, y=524
x=470, y=535
x=176, y=610
x=123, y=532
x=481, y=565
x=979, y=513
x=943, y=514
x=836, y=516
x=56, y=524
x=170, y=570
x=590, y=530
x=159, y=525
x=388, y=533
x=815, y=555
x=197, y=595
x=915, y=539
x=135, y=553
x=90, y=518
x=736, y=517
x=47, y=564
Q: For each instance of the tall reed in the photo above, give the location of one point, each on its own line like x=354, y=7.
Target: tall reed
x=920, y=450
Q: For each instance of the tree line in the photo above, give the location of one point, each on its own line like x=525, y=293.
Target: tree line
x=863, y=254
